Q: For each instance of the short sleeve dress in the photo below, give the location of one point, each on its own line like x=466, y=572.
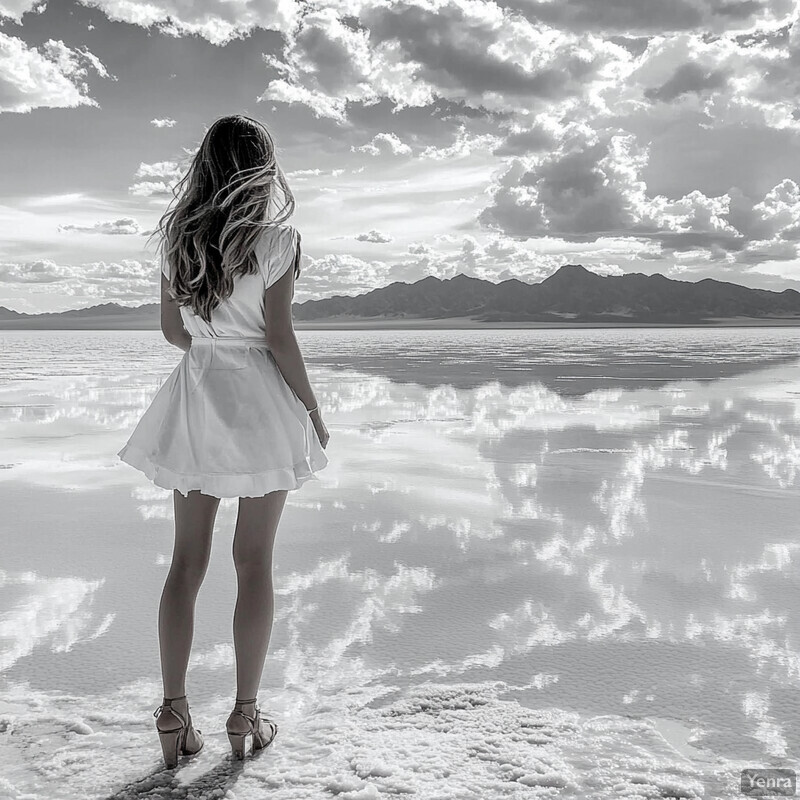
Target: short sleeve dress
x=225, y=421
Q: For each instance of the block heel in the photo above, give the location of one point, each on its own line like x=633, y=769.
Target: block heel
x=170, y=746
x=238, y=744
x=238, y=741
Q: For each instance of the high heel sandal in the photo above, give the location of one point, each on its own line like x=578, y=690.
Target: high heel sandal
x=260, y=741
x=173, y=741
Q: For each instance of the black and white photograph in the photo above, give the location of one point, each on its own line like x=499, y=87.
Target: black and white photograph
x=399, y=399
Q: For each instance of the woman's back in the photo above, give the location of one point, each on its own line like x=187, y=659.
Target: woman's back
x=237, y=417
x=242, y=314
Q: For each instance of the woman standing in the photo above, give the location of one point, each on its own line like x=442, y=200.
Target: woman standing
x=237, y=417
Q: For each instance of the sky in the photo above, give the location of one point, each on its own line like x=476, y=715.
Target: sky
x=495, y=138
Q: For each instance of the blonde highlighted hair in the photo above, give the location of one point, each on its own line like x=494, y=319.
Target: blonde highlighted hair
x=233, y=189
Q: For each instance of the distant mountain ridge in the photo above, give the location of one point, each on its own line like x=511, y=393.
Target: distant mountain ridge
x=572, y=294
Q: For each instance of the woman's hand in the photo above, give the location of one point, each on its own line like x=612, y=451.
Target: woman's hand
x=319, y=427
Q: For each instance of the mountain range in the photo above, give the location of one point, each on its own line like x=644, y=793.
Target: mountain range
x=572, y=294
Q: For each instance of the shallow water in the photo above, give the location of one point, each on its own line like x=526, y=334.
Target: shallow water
x=540, y=563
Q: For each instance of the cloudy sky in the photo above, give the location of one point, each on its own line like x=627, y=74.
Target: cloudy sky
x=498, y=138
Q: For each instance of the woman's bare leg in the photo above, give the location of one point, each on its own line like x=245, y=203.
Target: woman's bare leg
x=194, y=526
x=253, y=542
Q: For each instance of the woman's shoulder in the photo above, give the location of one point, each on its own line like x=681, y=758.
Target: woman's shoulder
x=278, y=237
x=278, y=229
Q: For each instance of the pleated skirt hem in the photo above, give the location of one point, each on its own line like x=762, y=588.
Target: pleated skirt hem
x=226, y=485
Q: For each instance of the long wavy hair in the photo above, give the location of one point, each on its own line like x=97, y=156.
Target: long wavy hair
x=233, y=189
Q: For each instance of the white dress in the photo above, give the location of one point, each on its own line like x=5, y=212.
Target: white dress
x=225, y=421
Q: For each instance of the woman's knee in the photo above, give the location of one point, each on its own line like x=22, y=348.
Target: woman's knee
x=252, y=558
x=188, y=570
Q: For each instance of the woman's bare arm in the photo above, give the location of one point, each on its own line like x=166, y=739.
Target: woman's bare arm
x=171, y=320
x=282, y=339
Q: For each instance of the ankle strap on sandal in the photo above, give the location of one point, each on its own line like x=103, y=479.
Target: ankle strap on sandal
x=167, y=706
x=244, y=702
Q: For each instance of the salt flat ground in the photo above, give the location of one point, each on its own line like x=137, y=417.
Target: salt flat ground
x=541, y=563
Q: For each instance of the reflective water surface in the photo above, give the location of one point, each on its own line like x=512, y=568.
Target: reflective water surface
x=540, y=563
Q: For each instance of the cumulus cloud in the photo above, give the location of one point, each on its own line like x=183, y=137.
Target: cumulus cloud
x=50, y=76
x=156, y=179
x=127, y=279
x=125, y=226
x=591, y=187
x=374, y=236
x=39, y=271
x=581, y=190
x=342, y=273
x=149, y=188
x=778, y=56
x=711, y=84
x=383, y=143
x=160, y=169
x=626, y=93
x=477, y=53
x=457, y=50
x=498, y=258
x=465, y=144
x=608, y=121
x=218, y=21
x=775, y=220
x=16, y=8
x=325, y=65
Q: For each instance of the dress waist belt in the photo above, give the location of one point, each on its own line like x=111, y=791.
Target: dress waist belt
x=212, y=340
x=206, y=357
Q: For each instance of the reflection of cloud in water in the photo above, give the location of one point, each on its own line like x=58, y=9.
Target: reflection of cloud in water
x=220, y=656
x=756, y=706
x=528, y=626
x=781, y=462
x=775, y=556
x=56, y=611
x=622, y=551
x=343, y=608
x=374, y=602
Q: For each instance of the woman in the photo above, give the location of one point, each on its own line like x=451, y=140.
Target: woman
x=237, y=417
